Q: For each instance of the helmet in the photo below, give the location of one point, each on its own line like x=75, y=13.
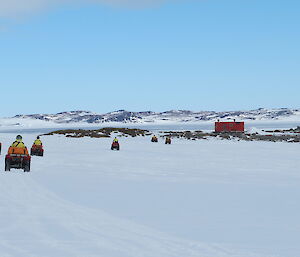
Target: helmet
x=19, y=137
x=38, y=137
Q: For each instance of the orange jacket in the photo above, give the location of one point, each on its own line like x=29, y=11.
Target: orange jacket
x=18, y=150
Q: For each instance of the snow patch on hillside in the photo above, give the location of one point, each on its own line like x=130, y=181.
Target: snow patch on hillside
x=182, y=119
x=179, y=116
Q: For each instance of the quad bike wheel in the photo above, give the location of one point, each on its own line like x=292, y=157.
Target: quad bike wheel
x=7, y=165
x=27, y=167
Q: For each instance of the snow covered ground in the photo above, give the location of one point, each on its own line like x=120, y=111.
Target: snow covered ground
x=193, y=198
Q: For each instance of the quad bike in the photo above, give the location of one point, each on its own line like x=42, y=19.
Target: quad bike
x=37, y=150
x=154, y=139
x=17, y=161
x=168, y=141
x=115, y=146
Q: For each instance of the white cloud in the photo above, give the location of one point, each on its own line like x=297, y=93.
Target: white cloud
x=10, y=8
x=17, y=7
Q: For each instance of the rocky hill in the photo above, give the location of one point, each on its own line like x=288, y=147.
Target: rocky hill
x=181, y=116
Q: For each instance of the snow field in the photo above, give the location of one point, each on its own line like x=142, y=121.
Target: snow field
x=193, y=198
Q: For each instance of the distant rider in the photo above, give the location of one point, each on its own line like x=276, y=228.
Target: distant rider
x=154, y=139
x=116, y=140
x=38, y=142
x=168, y=140
x=18, y=147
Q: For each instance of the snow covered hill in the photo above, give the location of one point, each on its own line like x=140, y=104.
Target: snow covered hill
x=177, y=116
x=170, y=120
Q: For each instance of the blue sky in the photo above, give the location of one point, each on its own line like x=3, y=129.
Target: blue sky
x=197, y=55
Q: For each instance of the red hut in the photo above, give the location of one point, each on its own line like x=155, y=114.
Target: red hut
x=229, y=126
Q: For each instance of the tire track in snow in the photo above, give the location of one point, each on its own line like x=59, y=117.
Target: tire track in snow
x=35, y=222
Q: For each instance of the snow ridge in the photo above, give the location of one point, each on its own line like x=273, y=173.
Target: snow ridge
x=180, y=116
